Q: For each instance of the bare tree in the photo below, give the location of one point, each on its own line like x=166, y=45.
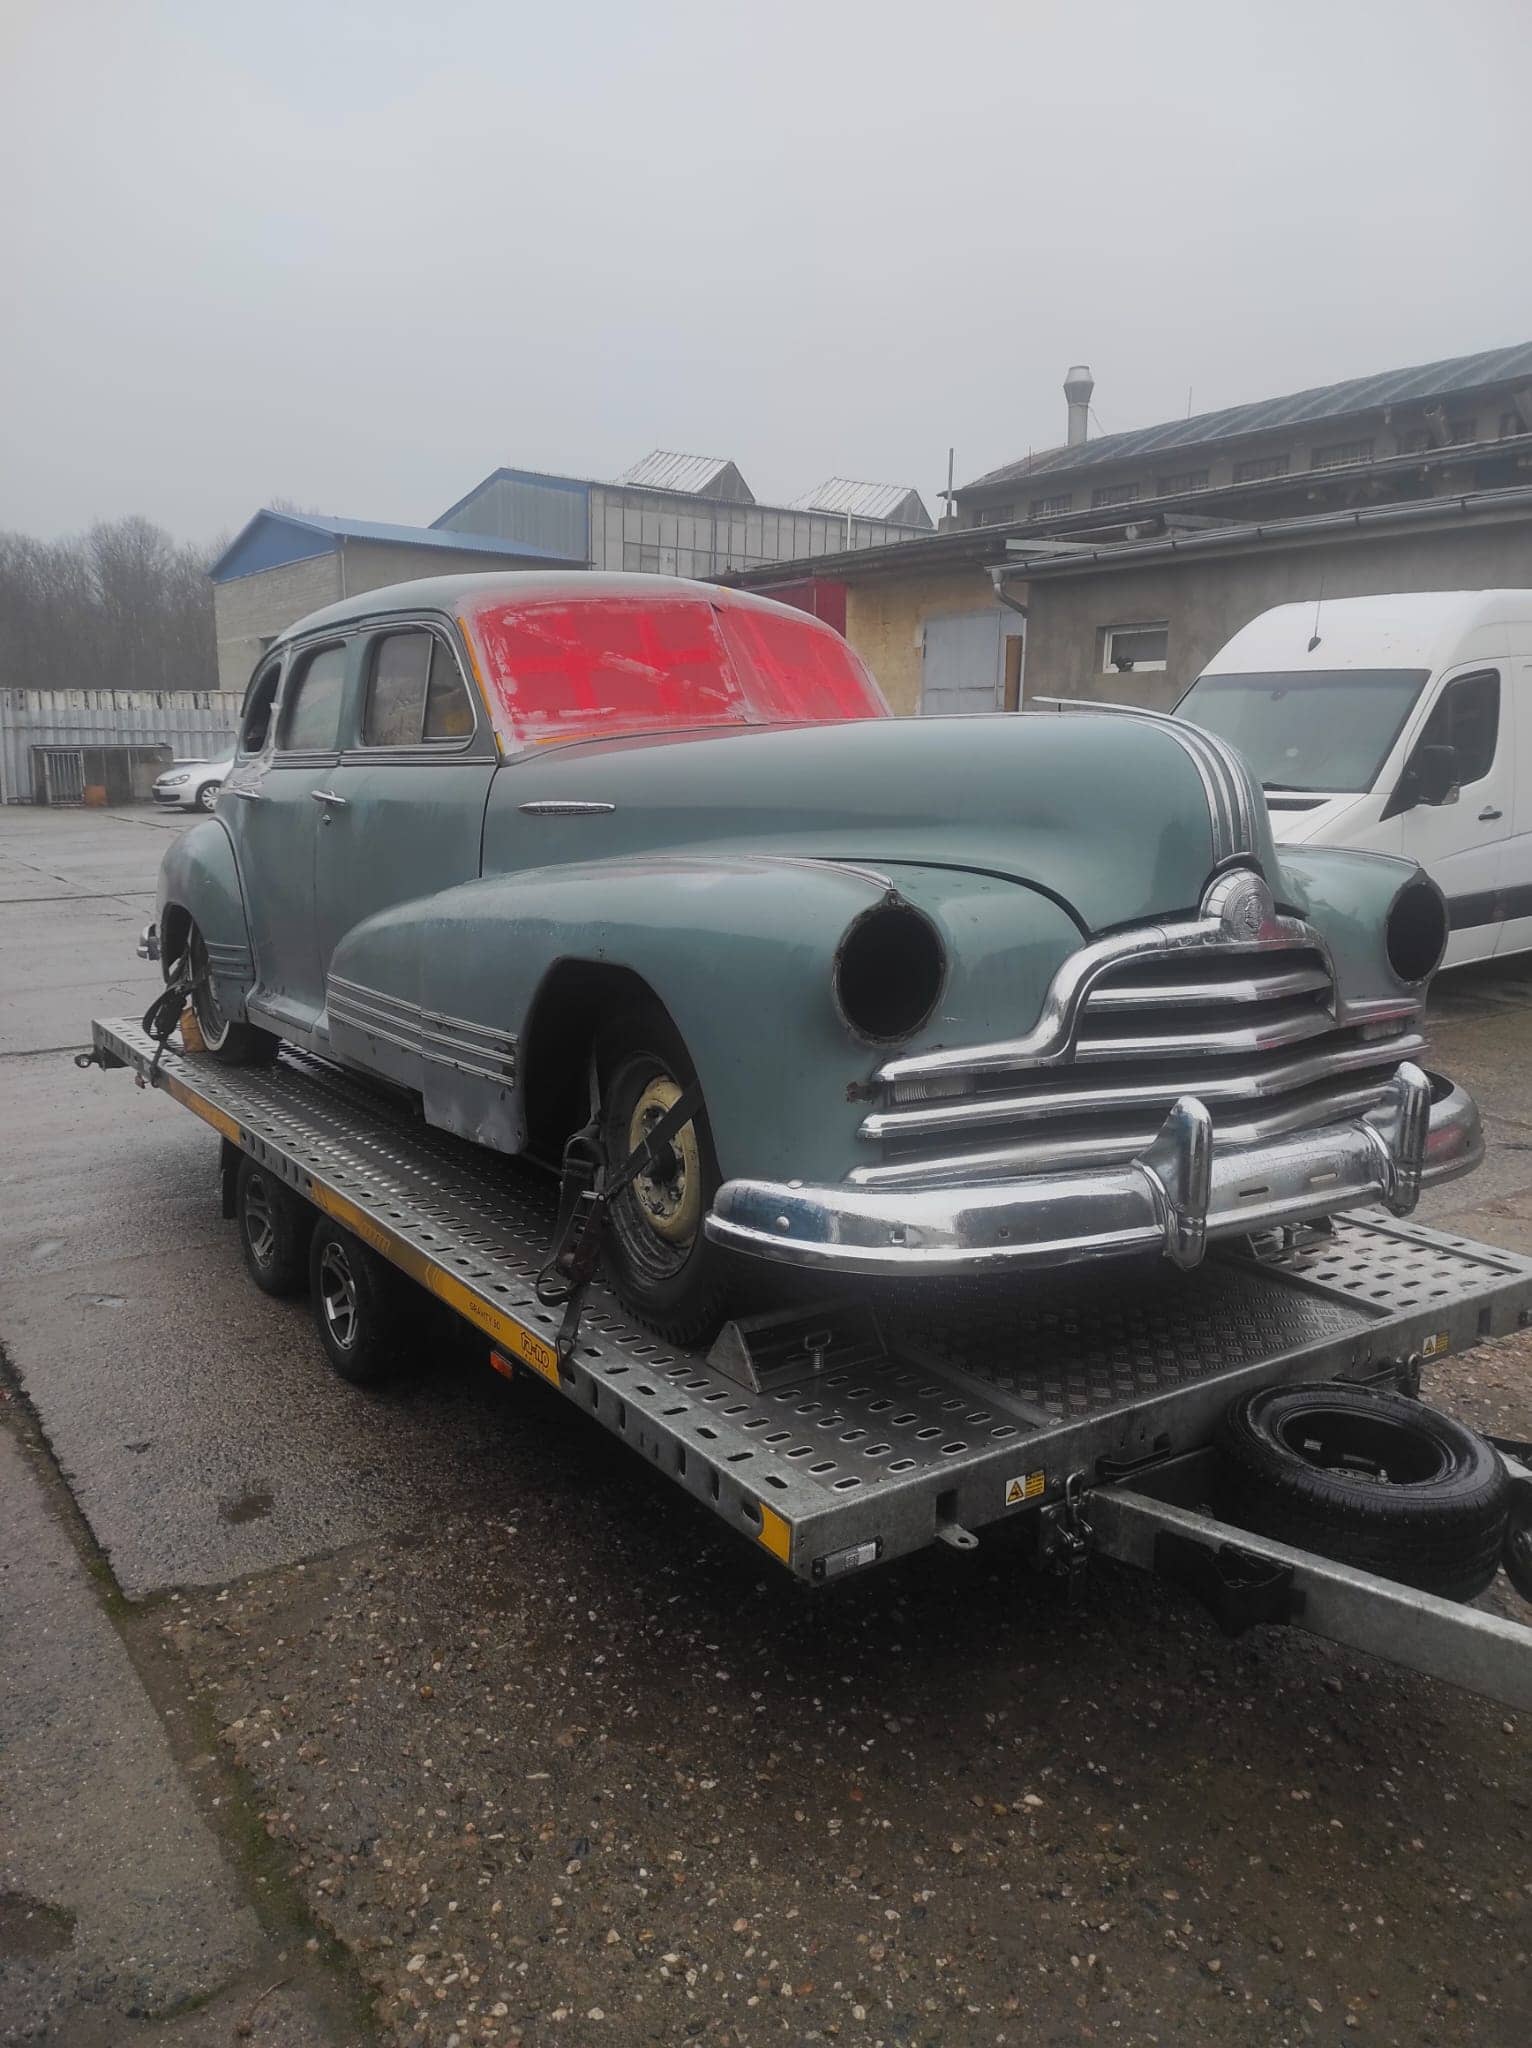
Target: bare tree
x=122, y=607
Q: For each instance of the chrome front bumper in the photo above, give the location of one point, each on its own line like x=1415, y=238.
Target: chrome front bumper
x=1174, y=1197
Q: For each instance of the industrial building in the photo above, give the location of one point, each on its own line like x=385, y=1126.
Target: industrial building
x=1115, y=566
x=672, y=514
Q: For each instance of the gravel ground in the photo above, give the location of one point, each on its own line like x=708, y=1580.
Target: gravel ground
x=565, y=1766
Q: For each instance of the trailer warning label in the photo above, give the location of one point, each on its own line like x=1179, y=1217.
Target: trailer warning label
x=1029, y=1486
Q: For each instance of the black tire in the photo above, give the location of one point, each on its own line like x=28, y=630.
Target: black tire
x=657, y=1257
x=232, y=1044
x=1370, y=1479
x=361, y=1306
x=207, y=796
x=274, y=1229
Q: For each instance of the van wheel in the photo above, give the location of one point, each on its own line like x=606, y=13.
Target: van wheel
x=360, y=1306
x=274, y=1228
x=658, y=1257
x=233, y=1044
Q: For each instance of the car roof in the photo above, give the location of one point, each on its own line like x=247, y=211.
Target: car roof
x=454, y=594
x=1412, y=629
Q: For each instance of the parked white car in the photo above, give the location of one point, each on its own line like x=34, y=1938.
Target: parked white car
x=192, y=785
x=1395, y=725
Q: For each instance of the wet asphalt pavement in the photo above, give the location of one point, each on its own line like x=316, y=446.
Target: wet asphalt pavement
x=529, y=1749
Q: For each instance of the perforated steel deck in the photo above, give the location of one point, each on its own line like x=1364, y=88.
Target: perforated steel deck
x=988, y=1386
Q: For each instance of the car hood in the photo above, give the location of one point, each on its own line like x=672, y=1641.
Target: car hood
x=1117, y=817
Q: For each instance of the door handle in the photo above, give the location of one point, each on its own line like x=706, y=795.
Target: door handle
x=328, y=796
x=248, y=796
x=1489, y=814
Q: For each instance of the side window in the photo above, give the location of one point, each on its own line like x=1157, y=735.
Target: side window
x=449, y=709
x=311, y=720
x=415, y=694
x=255, y=726
x=396, y=690
x=1467, y=718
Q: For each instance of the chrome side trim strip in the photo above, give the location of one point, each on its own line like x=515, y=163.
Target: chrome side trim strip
x=565, y=807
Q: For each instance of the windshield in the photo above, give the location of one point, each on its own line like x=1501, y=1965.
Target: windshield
x=1328, y=729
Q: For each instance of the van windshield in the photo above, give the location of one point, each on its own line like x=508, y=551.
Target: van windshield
x=1328, y=729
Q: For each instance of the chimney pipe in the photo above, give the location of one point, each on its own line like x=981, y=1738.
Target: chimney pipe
x=1078, y=386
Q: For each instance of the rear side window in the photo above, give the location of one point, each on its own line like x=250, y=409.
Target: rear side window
x=311, y=721
x=415, y=694
x=255, y=726
x=1467, y=718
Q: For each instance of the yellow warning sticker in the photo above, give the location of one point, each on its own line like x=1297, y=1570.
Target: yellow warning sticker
x=1438, y=1345
x=1030, y=1486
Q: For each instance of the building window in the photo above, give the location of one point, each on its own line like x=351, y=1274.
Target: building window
x=1340, y=454
x=1259, y=467
x=996, y=515
x=1415, y=441
x=1114, y=494
x=1127, y=649
x=1050, y=508
x=1187, y=480
x=1511, y=423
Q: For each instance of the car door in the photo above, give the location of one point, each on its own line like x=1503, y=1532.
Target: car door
x=1461, y=843
x=405, y=815
x=274, y=816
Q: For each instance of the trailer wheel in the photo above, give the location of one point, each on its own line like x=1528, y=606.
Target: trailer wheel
x=1370, y=1479
x=657, y=1255
x=274, y=1229
x=360, y=1308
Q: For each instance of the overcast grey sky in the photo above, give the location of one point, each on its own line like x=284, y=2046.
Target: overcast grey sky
x=359, y=254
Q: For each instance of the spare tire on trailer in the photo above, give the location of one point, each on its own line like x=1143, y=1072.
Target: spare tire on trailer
x=1371, y=1479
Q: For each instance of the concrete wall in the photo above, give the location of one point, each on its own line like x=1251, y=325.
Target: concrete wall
x=253, y=610
x=885, y=617
x=1205, y=602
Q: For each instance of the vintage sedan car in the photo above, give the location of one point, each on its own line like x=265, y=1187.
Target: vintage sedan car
x=961, y=994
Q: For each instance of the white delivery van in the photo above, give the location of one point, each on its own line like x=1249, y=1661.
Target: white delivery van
x=1398, y=725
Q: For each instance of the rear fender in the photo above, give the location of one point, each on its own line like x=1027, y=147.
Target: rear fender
x=199, y=883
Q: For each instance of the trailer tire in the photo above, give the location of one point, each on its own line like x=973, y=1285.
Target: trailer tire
x=360, y=1307
x=1368, y=1478
x=274, y=1230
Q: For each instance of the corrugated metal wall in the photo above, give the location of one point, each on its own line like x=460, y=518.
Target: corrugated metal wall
x=197, y=725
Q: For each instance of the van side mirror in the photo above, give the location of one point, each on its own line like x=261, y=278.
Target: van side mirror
x=1435, y=773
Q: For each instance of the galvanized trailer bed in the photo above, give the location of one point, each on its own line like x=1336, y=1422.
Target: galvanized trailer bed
x=841, y=1437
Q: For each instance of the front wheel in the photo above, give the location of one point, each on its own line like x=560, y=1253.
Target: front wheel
x=659, y=1260
x=274, y=1227
x=207, y=796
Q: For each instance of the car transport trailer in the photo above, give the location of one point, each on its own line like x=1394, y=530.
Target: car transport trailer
x=841, y=1434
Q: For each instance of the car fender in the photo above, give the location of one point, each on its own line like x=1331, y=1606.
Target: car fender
x=199, y=883
x=1346, y=896
x=740, y=950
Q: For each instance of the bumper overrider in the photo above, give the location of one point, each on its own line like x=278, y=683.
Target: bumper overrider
x=1174, y=1197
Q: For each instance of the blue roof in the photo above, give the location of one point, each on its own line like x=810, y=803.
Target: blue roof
x=271, y=539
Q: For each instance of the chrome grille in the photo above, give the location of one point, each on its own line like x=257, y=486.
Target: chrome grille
x=1253, y=1035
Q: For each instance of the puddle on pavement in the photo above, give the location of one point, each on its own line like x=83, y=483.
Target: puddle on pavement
x=251, y=1506
x=33, y=1927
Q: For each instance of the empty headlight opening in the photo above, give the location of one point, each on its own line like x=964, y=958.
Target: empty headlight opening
x=889, y=973
x=1416, y=932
